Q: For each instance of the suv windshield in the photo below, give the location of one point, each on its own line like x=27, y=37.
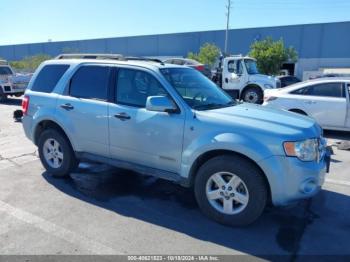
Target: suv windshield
x=251, y=66
x=197, y=90
x=4, y=70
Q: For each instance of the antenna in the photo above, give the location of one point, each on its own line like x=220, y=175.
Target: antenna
x=228, y=7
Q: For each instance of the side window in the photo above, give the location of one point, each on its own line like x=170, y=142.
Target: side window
x=178, y=62
x=235, y=66
x=169, y=61
x=48, y=78
x=300, y=91
x=239, y=68
x=231, y=66
x=327, y=89
x=134, y=86
x=90, y=82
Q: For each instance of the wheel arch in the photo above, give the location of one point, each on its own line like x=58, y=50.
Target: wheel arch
x=47, y=124
x=203, y=158
x=250, y=85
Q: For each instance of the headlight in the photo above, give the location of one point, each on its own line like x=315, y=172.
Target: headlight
x=268, y=86
x=306, y=150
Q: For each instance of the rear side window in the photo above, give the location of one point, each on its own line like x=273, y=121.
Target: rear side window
x=90, y=82
x=48, y=78
x=326, y=89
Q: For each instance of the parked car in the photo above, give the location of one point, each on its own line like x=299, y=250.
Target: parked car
x=172, y=122
x=288, y=80
x=239, y=76
x=204, y=69
x=11, y=84
x=326, y=100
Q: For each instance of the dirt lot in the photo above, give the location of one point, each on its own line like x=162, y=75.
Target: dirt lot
x=106, y=211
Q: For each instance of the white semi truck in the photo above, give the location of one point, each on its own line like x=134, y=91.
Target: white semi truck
x=239, y=76
x=11, y=84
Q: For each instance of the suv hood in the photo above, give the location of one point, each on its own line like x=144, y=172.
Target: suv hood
x=259, y=121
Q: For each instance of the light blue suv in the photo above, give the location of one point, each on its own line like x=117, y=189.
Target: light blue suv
x=172, y=122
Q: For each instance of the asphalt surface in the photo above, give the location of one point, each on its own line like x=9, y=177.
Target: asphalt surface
x=100, y=210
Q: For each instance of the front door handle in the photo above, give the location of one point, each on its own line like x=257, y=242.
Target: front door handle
x=67, y=107
x=122, y=116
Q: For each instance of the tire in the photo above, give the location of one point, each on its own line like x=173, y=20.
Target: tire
x=253, y=95
x=67, y=162
x=253, y=188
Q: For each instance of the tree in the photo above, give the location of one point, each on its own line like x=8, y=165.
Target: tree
x=271, y=55
x=29, y=63
x=208, y=54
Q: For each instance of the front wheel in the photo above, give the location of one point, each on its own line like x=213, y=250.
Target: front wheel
x=231, y=190
x=56, y=153
x=253, y=95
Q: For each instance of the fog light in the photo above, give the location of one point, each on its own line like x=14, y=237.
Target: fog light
x=308, y=187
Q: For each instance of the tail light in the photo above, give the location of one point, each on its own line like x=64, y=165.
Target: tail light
x=25, y=104
x=269, y=98
x=200, y=68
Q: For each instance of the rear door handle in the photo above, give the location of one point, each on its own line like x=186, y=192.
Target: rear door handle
x=122, y=116
x=67, y=107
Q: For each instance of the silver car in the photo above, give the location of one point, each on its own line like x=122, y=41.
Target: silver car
x=172, y=122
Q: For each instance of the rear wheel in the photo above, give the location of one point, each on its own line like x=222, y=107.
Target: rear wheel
x=253, y=95
x=56, y=153
x=231, y=190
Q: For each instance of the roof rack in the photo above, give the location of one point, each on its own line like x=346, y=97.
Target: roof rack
x=108, y=57
x=91, y=56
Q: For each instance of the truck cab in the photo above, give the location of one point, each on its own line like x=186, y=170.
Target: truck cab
x=10, y=83
x=239, y=76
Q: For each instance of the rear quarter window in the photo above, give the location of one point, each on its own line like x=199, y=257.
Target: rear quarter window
x=48, y=78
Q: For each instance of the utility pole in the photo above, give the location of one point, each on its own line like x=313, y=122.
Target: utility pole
x=228, y=7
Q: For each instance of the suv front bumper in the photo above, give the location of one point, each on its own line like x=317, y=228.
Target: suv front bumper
x=291, y=179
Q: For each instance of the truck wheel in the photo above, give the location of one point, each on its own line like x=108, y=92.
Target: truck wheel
x=231, y=190
x=56, y=153
x=253, y=95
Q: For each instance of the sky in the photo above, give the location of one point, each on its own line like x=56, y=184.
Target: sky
x=31, y=21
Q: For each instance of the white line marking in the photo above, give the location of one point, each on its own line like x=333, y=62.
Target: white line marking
x=82, y=241
x=338, y=182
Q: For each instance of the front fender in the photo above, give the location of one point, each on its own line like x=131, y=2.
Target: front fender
x=245, y=145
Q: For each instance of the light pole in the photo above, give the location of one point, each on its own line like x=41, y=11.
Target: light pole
x=228, y=7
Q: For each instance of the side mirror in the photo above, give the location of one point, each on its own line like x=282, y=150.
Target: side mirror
x=160, y=104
